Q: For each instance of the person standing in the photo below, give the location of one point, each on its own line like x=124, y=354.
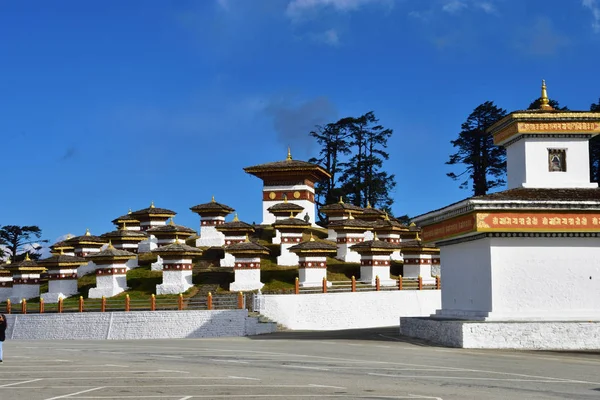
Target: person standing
x=2, y=332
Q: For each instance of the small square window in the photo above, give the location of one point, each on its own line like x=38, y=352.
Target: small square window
x=557, y=160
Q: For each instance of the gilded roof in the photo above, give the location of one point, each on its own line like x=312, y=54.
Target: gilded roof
x=317, y=246
x=62, y=260
x=62, y=245
x=389, y=224
x=375, y=245
x=350, y=224
x=212, y=207
x=288, y=166
x=24, y=265
x=340, y=208
x=285, y=207
x=128, y=218
x=178, y=248
x=235, y=225
x=125, y=234
x=172, y=229
x=290, y=223
x=87, y=238
x=414, y=246
x=110, y=253
x=247, y=247
x=149, y=211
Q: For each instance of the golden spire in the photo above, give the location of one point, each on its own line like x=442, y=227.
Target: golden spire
x=417, y=238
x=129, y=212
x=213, y=200
x=110, y=246
x=247, y=238
x=235, y=218
x=87, y=232
x=27, y=257
x=172, y=223
x=124, y=226
x=152, y=204
x=291, y=214
x=412, y=224
x=61, y=251
x=289, y=155
x=387, y=217
x=544, y=101
x=284, y=198
x=350, y=215
x=176, y=239
x=368, y=204
x=69, y=236
x=341, y=200
x=8, y=261
x=312, y=239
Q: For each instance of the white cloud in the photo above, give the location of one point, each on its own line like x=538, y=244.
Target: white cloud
x=594, y=6
x=487, y=6
x=298, y=8
x=454, y=6
x=329, y=37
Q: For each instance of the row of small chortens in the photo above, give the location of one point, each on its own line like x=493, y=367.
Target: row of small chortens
x=357, y=235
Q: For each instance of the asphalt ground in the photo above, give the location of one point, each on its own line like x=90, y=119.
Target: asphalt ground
x=361, y=364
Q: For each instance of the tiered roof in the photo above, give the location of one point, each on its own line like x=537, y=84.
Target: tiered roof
x=235, y=226
x=153, y=211
x=288, y=167
x=126, y=219
x=350, y=224
x=62, y=260
x=290, y=223
x=87, y=239
x=212, y=208
x=375, y=246
x=341, y=208
x=125, y=235
x=26, y=265
x=313, y=246
x=247, y=248
x=178, y=249
x=111, y=254
x=171, y=229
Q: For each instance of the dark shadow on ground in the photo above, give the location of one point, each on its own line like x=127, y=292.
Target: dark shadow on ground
x=389, y=334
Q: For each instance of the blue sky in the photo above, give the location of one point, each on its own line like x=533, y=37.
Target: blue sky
x=108, y=105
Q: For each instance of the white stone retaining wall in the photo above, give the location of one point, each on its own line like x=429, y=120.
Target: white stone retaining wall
x=541, y=335
x=353, y=310
x=135, y=325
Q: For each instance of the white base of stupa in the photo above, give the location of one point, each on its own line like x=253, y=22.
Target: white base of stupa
x=148, y=245
x=370, y=274
x=246, y=280
x=131, y=264
x=312, y=277
x=20, y=292
x=397, y=256
x=345, y=254
x=414, y=271
x=227, y=261
x=175, y=282
x=5, y=293
x=53, y=297
x=521, y=335
x=60, y=288
x=108, y=286
x=287, y=259
x=277, y=238
x=86, y=269
x=158, y=265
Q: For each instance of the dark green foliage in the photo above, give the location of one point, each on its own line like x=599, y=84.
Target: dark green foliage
x=15, y=237
x=537, y=103
x=353, y=150
x=485, y=162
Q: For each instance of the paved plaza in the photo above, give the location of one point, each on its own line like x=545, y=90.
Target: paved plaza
x=366, y=364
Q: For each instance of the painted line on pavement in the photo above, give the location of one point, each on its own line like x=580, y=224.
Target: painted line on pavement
x=74, y=394
x=20, y=383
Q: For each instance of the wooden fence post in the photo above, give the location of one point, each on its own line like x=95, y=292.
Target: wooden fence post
x=297, y=286
x=240, y=300
x=180, y=302
x=400, y=282
x=127, y=302
x=420, y=283
x=24, y=306
x=80, y=303
x=60, y=305
x=41, y=305
x=438, y=282
x=353, y=283
x=153, y=302
x=103, y=304
x=377, y=283
x=209, y=301
x=324, y=285
x=8, y=306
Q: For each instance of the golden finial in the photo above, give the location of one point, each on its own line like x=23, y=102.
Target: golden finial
x=291, y=214
x=284, y=198
x=172, y=223
x=124, y=226
x=87, y=232
x=235, y=218
x=69, y=236
x=412, y=224
x=368, y=204
x=8, y=261
x=289, y=155
x=387, y=217
x=110, y=246
x=152, y=204
x=176, y=239
x=312, y=239
x=129, y=212
x=350, y=215
x=544, y=101
x=27, y=257
x=213, y=200
x=247, y=238
x=375, y=236
x=417, y=238
x=341, y=200
x=61, y=251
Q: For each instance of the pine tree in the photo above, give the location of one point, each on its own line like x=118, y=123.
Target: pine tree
x=485, y=162
x=595, y=150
